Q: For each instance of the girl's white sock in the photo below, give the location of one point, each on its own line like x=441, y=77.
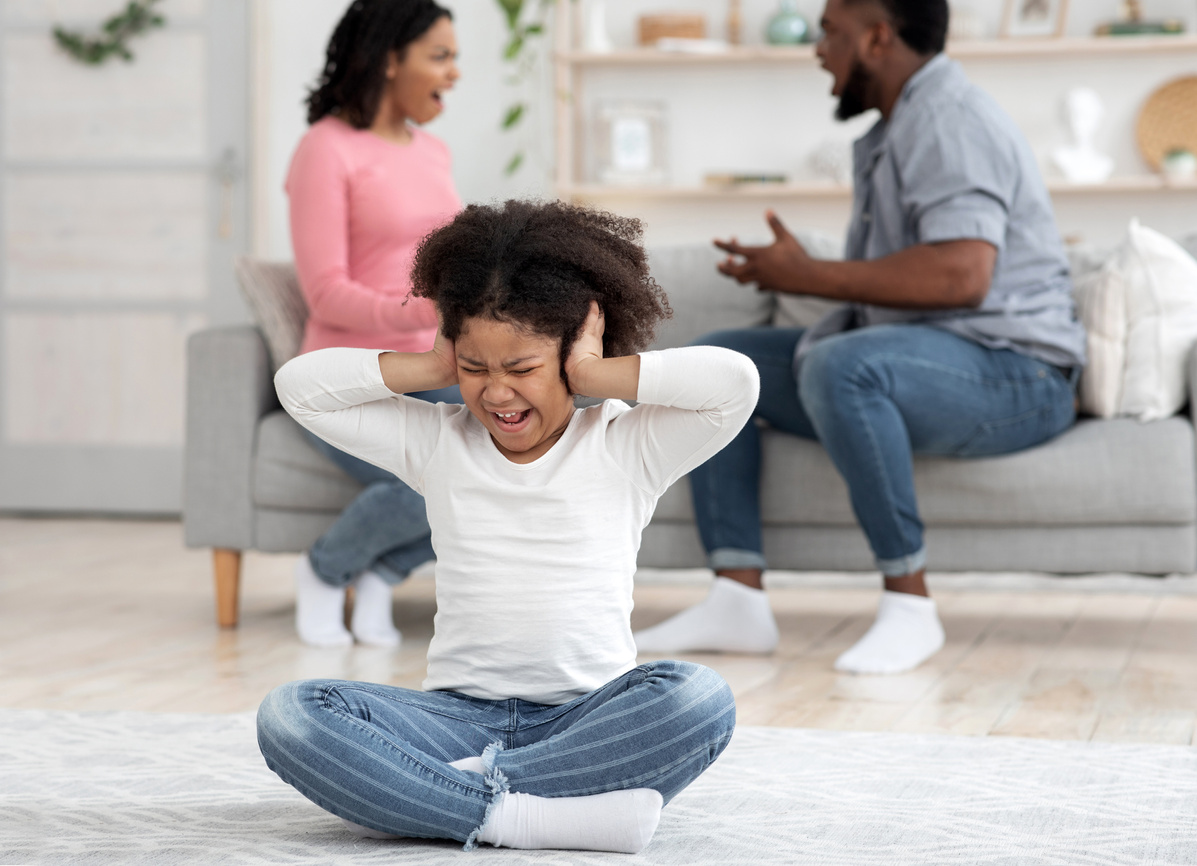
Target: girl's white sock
x=732, y=618
x=906, y=633
x=319, y=609
x=372, y=621
x=620, y=821
x=470, y=765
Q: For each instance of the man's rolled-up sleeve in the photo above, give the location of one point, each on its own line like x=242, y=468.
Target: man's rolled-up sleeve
x=958, y=184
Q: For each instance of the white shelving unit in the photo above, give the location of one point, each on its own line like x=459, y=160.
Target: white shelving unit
x=572, y=66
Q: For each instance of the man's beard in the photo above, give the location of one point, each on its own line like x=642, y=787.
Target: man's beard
x=855, y=92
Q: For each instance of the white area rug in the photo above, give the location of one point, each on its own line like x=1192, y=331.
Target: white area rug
x=166, y=789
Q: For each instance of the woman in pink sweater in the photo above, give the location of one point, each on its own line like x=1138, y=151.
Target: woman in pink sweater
x=365, y=186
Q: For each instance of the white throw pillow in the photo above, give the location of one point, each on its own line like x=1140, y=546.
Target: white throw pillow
x=1140, y=312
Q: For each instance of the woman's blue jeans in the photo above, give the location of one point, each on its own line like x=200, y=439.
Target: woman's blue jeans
x=379, y=755
x=385, y=528
x=874, y=397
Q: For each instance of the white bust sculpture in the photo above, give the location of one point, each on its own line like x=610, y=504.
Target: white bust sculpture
x=1080, y=161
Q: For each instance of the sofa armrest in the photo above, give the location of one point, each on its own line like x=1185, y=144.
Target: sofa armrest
x=229, y=389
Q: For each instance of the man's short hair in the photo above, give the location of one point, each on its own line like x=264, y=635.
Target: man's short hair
x=921, y=24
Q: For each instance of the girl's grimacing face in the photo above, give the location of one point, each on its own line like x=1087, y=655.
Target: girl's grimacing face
x=511, y=381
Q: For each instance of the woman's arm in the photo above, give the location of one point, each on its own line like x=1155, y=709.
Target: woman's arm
x=318, y=190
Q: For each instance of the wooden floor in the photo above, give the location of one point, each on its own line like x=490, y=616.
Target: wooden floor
x=118, y=615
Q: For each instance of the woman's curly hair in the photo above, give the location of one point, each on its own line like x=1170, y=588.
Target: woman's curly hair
x=538, y=266
x=354, y=74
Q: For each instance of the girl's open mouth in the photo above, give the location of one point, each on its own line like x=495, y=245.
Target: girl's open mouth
x=511, y=422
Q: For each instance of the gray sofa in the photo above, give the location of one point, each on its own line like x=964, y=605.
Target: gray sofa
x=1112, y=495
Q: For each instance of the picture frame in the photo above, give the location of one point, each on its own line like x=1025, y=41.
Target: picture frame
x=628, y=143
x=1028, y=19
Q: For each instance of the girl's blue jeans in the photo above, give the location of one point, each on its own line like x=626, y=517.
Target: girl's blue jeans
x=873, y=398
x=385, y=528
x=379, y=755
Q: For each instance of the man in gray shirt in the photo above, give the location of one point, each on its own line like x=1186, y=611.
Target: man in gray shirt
x=958, y=336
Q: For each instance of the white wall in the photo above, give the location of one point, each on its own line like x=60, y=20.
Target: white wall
x=751, y=117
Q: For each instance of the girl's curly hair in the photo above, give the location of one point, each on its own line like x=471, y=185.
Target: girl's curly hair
x=539, y=265
x=354, y=74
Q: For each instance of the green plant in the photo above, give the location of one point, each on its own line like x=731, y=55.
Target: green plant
x=136, y=18
x=521, y=36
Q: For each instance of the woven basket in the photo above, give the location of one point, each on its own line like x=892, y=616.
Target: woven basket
x=671, y=25
x=1168, y=120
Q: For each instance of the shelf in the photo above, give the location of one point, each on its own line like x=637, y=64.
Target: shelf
x=980, y=48
x=1118, y=185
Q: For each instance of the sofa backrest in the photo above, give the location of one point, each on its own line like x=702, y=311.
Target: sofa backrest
x=704, y=300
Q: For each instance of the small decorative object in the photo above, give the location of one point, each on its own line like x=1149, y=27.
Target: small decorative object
x=833, y=160
x=964, y=23
x=1179, y=164
x=136, y=18
x=597, y=39
x=743, y=178
x=735, y=22
x=629, y=143
x=675, y=25
x=1025, y=18
x=1080, y=161
x=1130, y=23
x=787, y=27
x=1168, y=121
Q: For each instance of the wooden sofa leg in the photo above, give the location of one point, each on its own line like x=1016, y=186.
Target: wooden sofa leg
x=227, y=567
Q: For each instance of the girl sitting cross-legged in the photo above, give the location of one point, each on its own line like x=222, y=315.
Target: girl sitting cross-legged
x=536, y=729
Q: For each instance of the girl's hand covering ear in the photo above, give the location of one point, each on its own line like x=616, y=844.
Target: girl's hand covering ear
x=445, y=354
x=587, y=348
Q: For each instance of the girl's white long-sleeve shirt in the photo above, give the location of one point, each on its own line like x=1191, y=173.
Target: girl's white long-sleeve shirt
x=534, y=561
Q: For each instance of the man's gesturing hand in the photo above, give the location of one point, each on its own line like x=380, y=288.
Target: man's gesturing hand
x=782, y=266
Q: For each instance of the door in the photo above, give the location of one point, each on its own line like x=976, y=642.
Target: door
x=122, y=206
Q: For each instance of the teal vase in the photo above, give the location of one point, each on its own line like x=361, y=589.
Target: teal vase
x=787, y=27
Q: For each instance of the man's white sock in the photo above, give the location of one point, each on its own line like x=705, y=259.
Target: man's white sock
x=372, y=621
x=620, y=821
x=319, y=609
x=906, y=633
x=732, y=618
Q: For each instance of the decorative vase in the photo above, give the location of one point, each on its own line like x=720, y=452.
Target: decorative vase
x=787, y=27
x=1179, y=164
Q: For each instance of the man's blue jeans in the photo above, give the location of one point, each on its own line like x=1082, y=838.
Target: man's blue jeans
x=379, y=755
x=384, y=528
x=874, y=397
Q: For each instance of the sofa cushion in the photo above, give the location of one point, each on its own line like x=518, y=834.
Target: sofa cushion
x=290, y=474
x=1118, y=472
x=703, y=300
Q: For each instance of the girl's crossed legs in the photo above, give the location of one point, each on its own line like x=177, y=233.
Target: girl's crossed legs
x=380, y=756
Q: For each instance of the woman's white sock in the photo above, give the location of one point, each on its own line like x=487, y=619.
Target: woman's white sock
x=620, y=821
x=319, y=609
x=372, y=621
x=906, y=633
x=732, y=618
